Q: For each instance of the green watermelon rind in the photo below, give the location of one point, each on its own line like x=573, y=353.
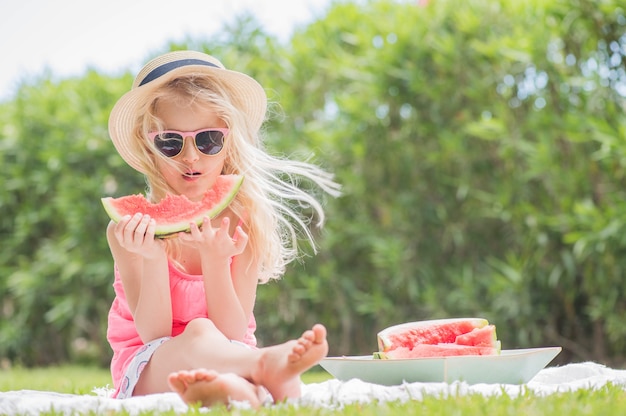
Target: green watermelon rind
x=165, y=231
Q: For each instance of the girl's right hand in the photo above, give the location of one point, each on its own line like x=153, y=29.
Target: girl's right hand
x=136, y=235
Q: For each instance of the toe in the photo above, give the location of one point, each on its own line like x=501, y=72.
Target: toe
x=308, y=335
x=176, y=383
x=206, y=375
x=320, y=333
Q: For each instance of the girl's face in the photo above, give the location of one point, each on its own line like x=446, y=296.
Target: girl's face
x=200, y=170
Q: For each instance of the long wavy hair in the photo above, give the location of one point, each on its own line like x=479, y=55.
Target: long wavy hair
x=275, y=209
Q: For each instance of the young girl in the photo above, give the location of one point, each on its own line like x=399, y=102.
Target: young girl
x=182, y=318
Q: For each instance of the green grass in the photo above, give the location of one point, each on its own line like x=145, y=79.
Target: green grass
x=82, y=380
x=607, y=401
x=66, y=379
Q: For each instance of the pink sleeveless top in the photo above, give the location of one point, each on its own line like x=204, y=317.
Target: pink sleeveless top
x=188, y=303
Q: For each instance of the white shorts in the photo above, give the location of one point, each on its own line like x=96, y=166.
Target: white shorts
x=139, y=362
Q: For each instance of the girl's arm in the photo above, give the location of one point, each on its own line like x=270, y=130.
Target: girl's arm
x=142, y=263
x=230, y=289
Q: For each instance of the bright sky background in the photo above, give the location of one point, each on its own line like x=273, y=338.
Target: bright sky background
x=67, y=36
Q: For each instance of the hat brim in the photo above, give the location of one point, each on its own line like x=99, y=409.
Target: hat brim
x=244, y=92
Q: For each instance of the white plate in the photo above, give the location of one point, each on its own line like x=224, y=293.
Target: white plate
x=510, y=367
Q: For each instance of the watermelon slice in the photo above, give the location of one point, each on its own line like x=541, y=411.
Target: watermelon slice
x=175, y=213
x=438, y=338
x=479, y=337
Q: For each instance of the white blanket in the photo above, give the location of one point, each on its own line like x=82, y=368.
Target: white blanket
x=328, y=394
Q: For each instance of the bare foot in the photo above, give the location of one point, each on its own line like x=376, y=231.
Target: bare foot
x=280, y=366
x=208, y=388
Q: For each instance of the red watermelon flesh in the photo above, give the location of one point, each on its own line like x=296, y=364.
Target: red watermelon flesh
x=440, y=350
x=438, y=338
x=427, y=332
x=479, y=337
x=175, y=213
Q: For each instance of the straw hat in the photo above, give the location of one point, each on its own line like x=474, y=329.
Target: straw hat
x=245, y=93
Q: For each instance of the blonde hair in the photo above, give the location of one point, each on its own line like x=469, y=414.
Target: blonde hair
x=274, y=208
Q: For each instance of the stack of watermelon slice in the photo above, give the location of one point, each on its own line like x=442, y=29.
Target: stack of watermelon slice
x=438, y=338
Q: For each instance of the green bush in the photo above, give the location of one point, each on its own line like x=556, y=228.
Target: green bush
x=480, y=145
x=55, y=272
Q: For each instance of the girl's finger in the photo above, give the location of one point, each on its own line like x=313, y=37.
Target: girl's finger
x=151, y=229
x=207, y=228
x=121, y=226
x=129, y=230
x=223, y=230
x=240, y=238
x=142, y=227
x=195, y=231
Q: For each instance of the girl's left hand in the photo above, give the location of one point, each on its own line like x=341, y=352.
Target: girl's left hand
x=216, y=242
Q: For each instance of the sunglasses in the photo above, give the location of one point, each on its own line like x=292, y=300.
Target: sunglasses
x=171, y=142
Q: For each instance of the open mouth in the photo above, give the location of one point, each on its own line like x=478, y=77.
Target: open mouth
x=191, y=175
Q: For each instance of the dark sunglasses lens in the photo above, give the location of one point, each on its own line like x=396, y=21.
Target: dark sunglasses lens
x=170, y=144
x=210, y=142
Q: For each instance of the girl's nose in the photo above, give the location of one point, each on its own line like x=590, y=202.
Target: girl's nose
x=190, y=152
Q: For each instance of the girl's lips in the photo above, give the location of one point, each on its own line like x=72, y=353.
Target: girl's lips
x=191, y=176
x=192, y=173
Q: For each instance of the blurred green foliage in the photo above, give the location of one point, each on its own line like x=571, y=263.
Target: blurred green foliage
x=481, y=149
